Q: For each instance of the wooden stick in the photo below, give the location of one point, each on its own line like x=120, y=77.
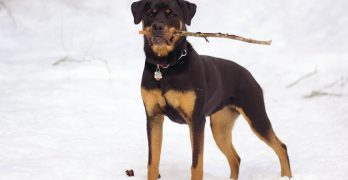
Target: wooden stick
x=218, y=35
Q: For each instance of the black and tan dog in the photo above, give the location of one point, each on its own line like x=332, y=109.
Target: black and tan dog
x=186, y=87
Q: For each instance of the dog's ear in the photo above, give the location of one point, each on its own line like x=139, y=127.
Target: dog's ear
x=189, y=10
x=138, y=10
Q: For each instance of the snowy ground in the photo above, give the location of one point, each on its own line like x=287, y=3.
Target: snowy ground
x=70, y=105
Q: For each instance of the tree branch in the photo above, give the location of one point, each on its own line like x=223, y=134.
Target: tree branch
x=217, y=35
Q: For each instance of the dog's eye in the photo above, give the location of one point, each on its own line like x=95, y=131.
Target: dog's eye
x=152, y=12
x=169, y=12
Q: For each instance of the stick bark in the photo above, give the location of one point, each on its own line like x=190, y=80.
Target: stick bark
x=218, y=35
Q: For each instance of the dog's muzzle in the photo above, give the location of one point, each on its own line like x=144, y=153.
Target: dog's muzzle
x=159, y=40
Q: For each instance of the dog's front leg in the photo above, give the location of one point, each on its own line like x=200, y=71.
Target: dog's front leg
x=197, y=144
x=154, y=136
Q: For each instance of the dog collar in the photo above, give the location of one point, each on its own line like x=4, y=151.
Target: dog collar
x=158, y=74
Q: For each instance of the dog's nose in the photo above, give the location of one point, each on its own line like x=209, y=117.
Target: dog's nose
x=158, y=27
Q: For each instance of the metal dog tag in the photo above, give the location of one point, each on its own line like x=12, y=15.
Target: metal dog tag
x=158, y=74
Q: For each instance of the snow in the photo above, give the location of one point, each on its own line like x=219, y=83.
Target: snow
x=70, y=105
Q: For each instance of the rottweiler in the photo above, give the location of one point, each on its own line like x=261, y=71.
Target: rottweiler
x=187, y=87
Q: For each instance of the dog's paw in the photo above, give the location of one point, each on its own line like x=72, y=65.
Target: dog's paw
x=286, y=178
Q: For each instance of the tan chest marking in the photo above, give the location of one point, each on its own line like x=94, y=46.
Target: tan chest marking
x=152, y=99
x=184, y=102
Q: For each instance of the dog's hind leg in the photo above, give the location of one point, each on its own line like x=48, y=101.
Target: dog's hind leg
x=222, y=123
x=253, y=110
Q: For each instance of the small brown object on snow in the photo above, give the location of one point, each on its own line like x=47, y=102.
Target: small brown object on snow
x=217, y=35
x=130, y=173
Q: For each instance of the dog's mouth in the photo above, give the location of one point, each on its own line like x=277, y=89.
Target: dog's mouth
x=162, y=46
x=157, y=40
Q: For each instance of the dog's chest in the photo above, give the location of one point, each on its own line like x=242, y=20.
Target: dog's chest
x=177, y=105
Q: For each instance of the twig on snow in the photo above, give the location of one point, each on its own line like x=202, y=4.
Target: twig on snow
x=321, y=92
x=302, y=78
x=8, y=10
x=85, y=58
x=314, y=94
x=69, y=59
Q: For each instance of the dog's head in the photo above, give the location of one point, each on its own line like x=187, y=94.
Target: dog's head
x=161, y=19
